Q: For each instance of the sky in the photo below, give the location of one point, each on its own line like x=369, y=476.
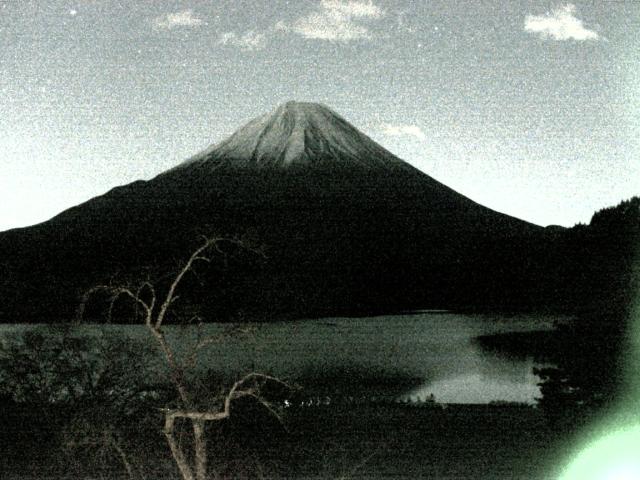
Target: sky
x=531, y=108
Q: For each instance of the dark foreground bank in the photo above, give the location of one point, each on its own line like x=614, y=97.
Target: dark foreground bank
x=365, y=441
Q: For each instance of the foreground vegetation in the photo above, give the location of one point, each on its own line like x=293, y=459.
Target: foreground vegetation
x=87, y=403
x=367, y=441
x=80, y=405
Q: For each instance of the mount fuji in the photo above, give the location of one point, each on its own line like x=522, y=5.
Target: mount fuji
x=297, y=135
x=347, y=227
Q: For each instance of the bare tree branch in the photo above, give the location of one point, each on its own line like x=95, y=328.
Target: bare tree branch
x=123, y=456
x=195, y=256
x=175, y=369
x=236, y=392
x=145, y=298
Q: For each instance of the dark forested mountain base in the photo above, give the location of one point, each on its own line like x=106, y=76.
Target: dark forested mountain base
x=339, y=241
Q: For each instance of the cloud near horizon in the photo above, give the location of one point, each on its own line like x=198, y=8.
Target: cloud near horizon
x=560, y=24
x=249, y=41
x=336, y=21
x=185, y=18
x=403, y=131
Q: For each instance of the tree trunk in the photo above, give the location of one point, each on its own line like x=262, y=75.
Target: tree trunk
x=200, y=446
x=176, y=451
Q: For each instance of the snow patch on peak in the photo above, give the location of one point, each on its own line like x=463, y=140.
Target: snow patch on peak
x=301, y=134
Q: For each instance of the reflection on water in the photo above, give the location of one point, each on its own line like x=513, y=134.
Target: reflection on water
x=410, y=356
x=435, y=351
x=476, y=388
x=481, y=377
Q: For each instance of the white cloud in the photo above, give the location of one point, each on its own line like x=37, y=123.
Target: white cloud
x=403, y=131
x=247, y=42
x=336, y=21
x=184, y=18
x=560, y=24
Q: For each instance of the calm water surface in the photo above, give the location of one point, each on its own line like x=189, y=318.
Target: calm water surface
x=435, y=350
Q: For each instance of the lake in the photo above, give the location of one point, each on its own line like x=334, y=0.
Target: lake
x=407, y=357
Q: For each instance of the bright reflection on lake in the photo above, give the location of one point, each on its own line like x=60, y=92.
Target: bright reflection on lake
x=409, y=356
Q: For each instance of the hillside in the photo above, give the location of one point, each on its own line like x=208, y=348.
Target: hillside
x=347, y=228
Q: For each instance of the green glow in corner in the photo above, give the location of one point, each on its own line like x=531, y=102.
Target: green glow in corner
x=613, y=457
x=614, y=454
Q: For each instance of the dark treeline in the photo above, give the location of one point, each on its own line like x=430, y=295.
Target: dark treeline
x=593, y=349
x=598, y=274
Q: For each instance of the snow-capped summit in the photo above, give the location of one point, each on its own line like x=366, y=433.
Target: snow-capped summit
x=297, y=134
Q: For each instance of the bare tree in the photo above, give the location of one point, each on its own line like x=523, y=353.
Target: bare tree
x=154, y=308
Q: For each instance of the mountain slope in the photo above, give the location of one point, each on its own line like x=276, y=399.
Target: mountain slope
x=297, y=134
x=347, y=226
